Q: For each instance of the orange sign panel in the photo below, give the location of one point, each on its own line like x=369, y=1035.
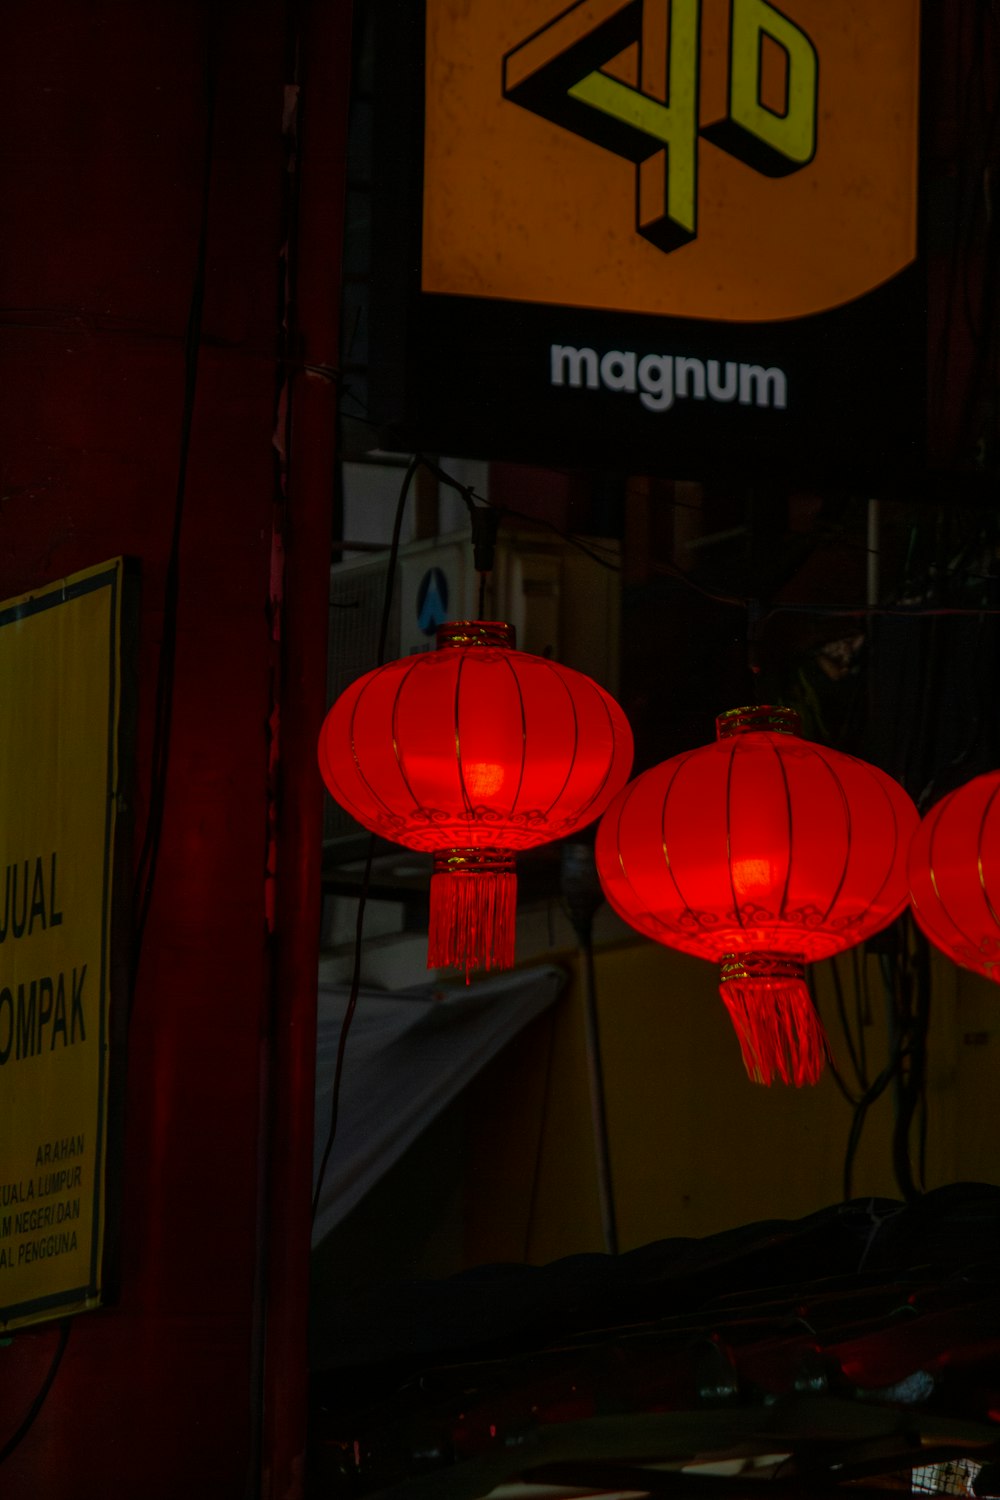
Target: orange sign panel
x=716, y=159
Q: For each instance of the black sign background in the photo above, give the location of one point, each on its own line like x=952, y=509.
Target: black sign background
x=472, y=375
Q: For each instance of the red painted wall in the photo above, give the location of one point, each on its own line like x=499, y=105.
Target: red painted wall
x=103, y=152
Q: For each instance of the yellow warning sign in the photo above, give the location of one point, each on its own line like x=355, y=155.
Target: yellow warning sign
x=60, y=675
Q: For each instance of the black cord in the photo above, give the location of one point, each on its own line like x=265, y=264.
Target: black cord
x=390, y=577
x=900, y=1043
x=145, y=873
x=914, y=979
x=867, y=1099
x=352, y=1001
x=861, y=1009
x=466, y=491
x=853, y=1051
x=831, y=1061
x=345, y=1027
x=17, y=1437
x=567, y=536
x=470, y=496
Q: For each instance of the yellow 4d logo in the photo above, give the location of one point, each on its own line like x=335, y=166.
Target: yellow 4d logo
x=770, y=148
x=565, y=73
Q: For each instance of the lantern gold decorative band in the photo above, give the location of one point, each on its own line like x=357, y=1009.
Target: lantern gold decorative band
x=737, y=966
x=476, y=633
x=473, y=862
x=768, y=717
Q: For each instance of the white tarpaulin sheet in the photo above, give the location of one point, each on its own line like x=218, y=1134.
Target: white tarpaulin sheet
x=408, y=1054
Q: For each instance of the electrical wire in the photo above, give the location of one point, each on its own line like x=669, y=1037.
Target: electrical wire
x=868, y=1098
x=907, y=984
x=862, y=1010
x=470, y=496
x=28, y=1420
x=352, y=1000
x=145, y=873
x=567, y=536
x=909, y=1096
x=853, y=1050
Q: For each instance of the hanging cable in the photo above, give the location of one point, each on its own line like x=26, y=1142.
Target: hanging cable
x=485, y=524
x=582, y=895
x=913, y=997
x=145, y=874
x=28, y=1421
x=352, y=1000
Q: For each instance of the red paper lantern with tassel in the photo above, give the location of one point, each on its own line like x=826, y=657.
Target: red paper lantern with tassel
x=954, y=874
x=474, y=752
x=762, y=852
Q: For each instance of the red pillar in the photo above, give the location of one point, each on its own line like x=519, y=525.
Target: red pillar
x=104, y=142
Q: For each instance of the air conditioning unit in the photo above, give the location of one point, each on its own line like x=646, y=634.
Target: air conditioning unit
x=561, y=602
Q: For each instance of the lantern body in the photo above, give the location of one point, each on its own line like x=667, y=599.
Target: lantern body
x=761, y=852
x=954, y=875
x=474, y=752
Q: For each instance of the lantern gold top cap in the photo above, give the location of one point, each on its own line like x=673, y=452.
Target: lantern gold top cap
x=769, y=718
x=476, y=633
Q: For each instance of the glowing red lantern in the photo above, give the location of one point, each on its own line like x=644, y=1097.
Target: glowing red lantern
x=474, y=752
x=763, y=852
x=954, y=874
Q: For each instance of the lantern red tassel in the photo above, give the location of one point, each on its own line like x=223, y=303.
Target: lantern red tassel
x=474, y=752
x=761, y=852
x=473, y=907
x=779, y=1031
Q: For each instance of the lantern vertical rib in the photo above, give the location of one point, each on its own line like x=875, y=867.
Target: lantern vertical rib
x=618, y=843
x=980, y=836
x=848, y=829
x=626, y=798
x=458, y=740
x=791, y=838
x=685, y=903
x=599, y=793
x=576, y=740
x=737, y=914
x=936, y=827
x=524, y=735
x=354, y=745
x=395, y=737
x=334, y=785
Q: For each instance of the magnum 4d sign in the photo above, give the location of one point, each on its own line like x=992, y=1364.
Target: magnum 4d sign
x=707, y=205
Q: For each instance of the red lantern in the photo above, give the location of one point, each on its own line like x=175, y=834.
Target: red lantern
x=954, y=873
x=762, y=852
x=474, y=752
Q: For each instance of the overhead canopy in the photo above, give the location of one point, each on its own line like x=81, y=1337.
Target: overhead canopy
x=408, y=1054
